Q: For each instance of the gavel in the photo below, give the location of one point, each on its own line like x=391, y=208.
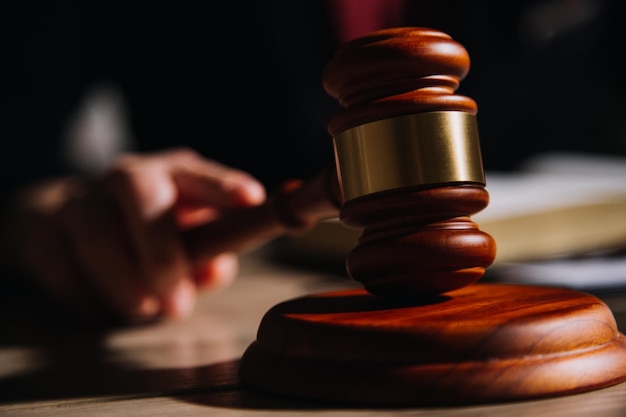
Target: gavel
x=408, y=171
x=422, y=330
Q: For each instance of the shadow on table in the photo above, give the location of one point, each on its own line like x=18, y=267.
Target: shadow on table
x=46, y=355
x=75, y=371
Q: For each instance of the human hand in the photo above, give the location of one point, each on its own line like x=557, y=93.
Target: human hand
x=115, y=244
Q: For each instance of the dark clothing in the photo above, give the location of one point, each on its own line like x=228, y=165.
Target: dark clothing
x=240, y=81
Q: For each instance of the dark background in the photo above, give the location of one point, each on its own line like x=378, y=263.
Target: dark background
x=240, y=81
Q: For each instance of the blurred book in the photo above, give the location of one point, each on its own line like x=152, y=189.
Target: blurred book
x=558, y=206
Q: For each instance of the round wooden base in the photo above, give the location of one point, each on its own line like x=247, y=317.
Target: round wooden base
x=480, y=344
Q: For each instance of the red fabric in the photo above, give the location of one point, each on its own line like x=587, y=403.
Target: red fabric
x=354, y=18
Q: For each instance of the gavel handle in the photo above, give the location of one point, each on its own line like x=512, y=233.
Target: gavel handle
x=296, y=208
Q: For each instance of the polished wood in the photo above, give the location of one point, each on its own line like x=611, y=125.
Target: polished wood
x=396, y=71
x=473, y=345
x=422, y=331
x=418, y=239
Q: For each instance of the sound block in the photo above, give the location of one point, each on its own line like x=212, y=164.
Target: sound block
x=484, y=343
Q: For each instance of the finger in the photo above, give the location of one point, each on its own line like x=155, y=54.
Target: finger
x=104, y=256
x=147, y=195
x=218, y=273
x=206, y=182
x=188, y=217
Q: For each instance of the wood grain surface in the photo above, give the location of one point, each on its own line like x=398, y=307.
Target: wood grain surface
x=483, y=343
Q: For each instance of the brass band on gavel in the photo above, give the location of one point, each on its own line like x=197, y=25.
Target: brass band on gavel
x=417, y=149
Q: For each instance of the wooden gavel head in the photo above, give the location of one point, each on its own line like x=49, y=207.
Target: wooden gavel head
x=409, y=163
x=411, y=176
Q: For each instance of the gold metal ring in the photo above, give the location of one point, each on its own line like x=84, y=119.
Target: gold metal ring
x=417, y=149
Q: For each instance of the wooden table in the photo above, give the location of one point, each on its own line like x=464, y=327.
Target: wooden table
x=51, y=368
